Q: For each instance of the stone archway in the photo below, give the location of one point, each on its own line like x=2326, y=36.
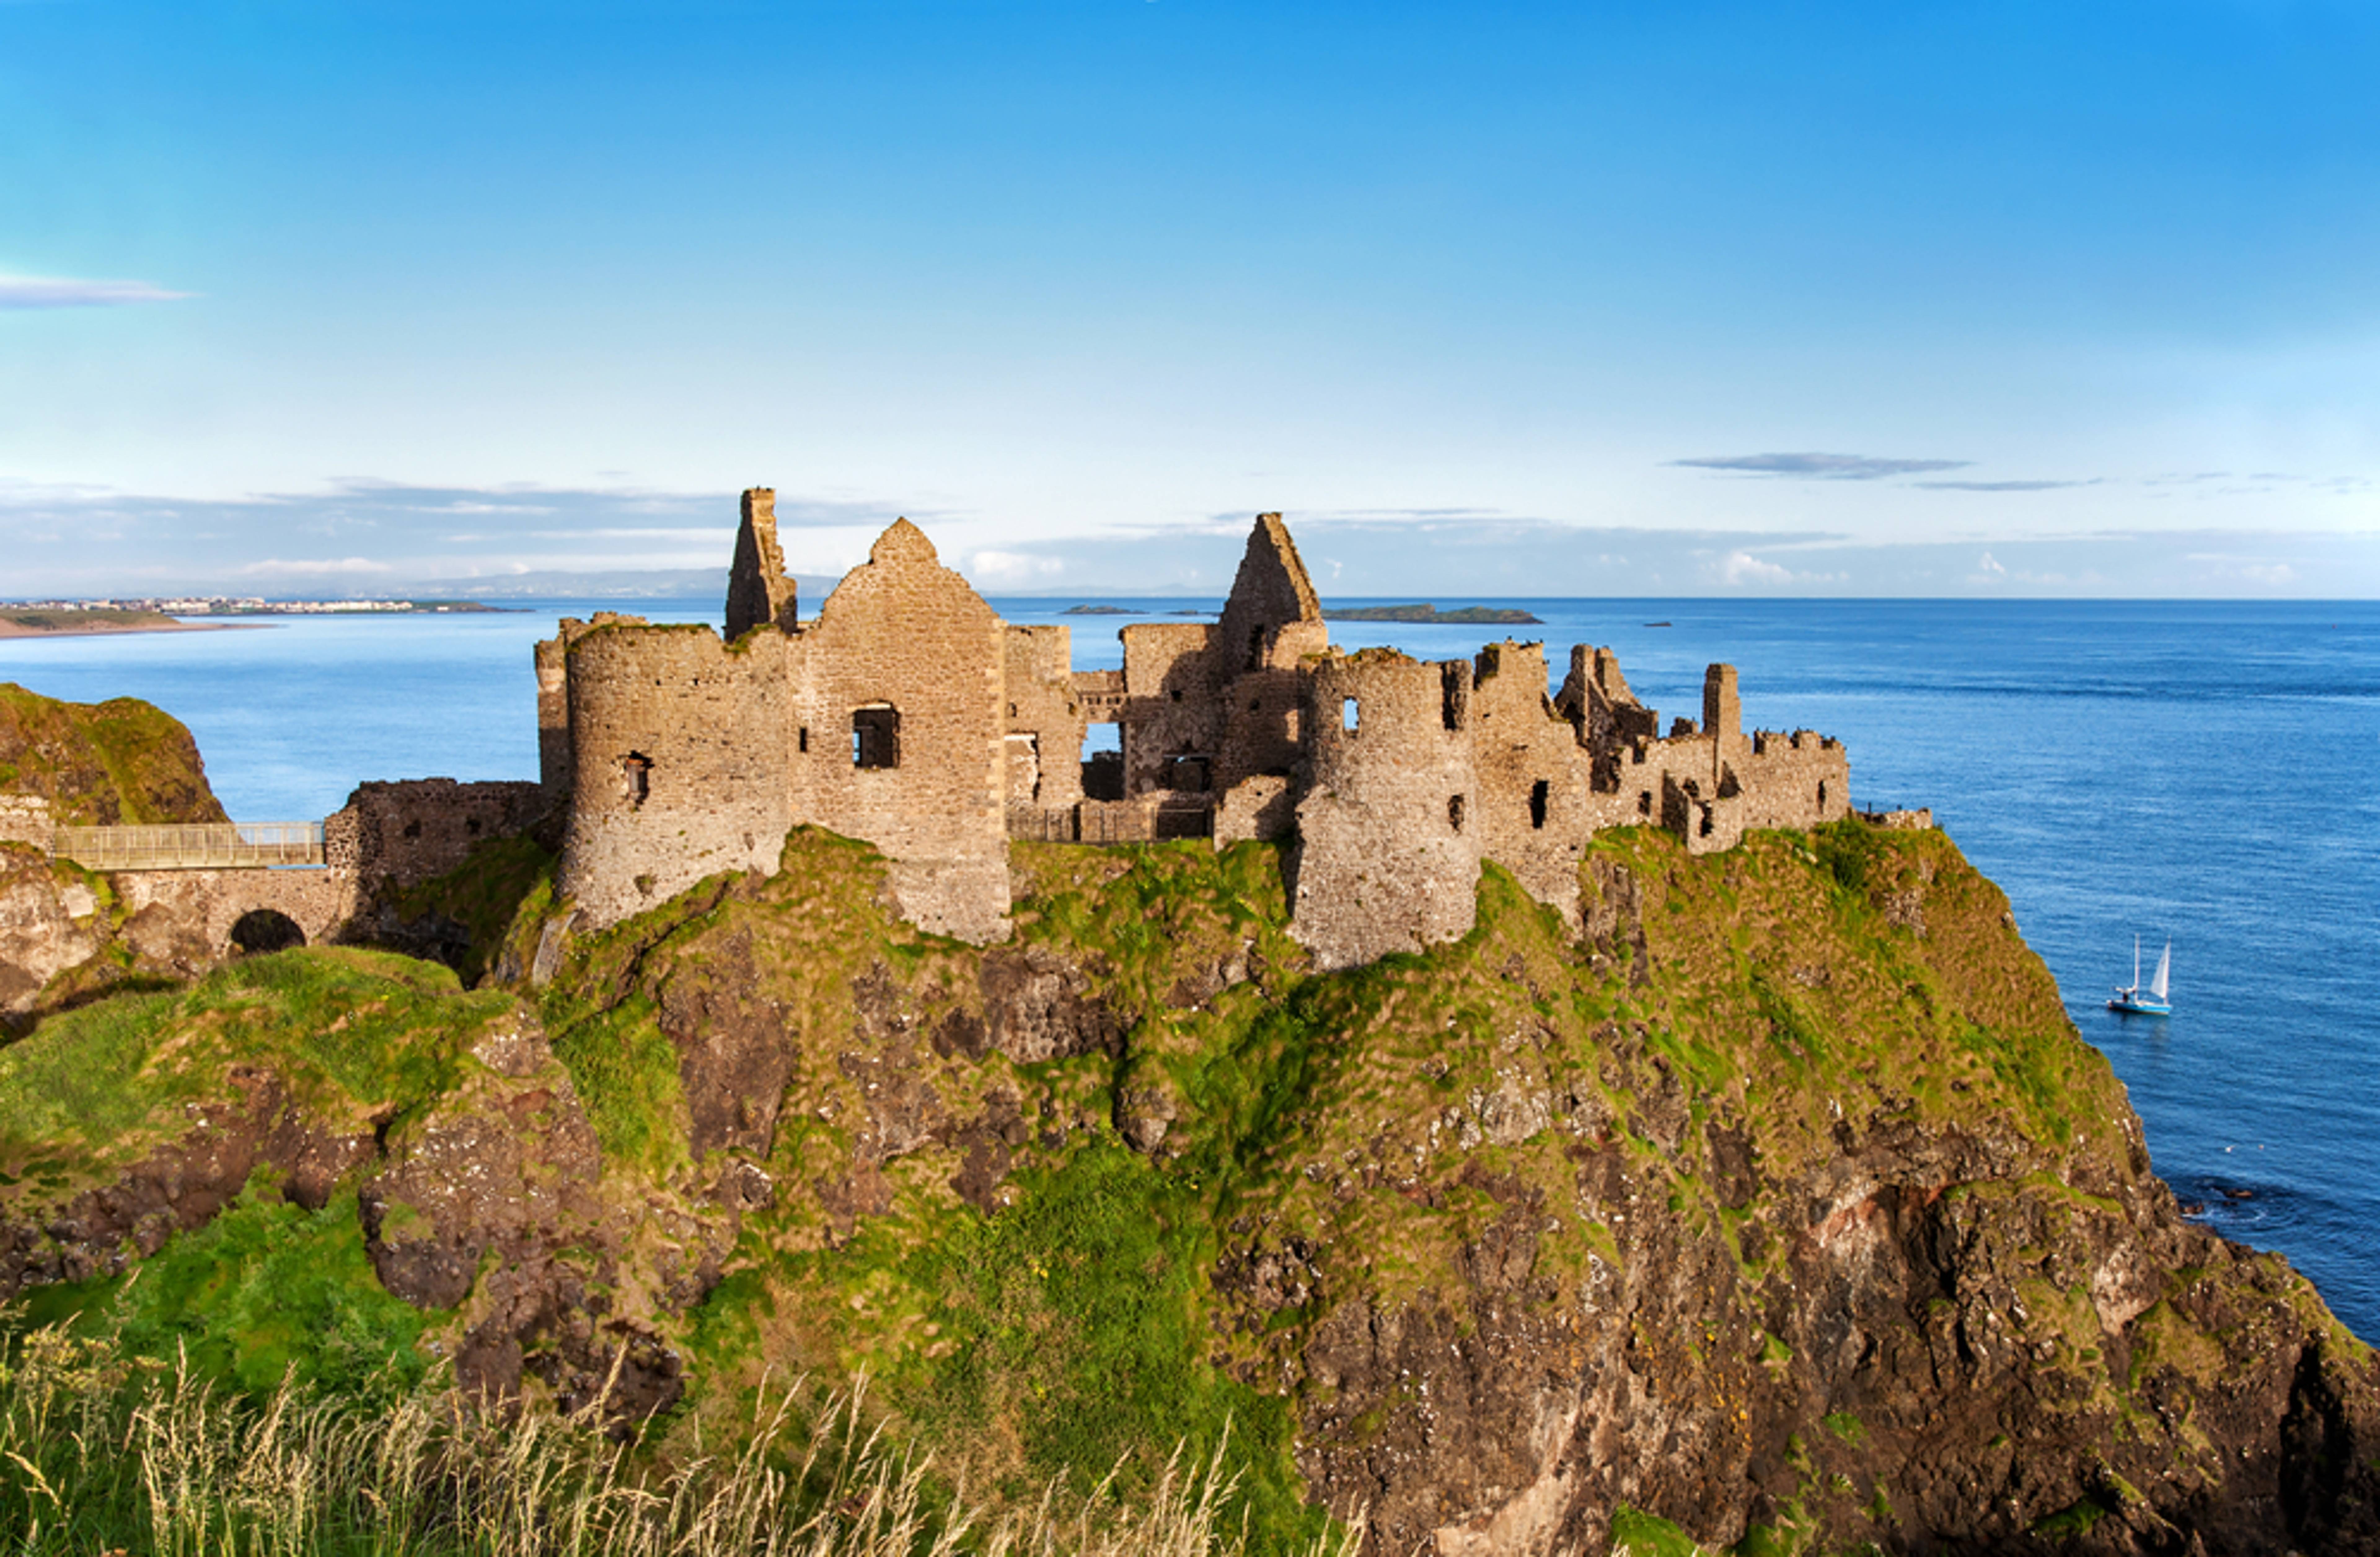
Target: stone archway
x=265, y=930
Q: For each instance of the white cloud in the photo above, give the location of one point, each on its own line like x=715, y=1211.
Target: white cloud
x=1012, y=567
x=46, y=291
x=1742, y=567
x=284, y=567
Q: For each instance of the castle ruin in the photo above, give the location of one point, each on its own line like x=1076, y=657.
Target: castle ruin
x=909, y=715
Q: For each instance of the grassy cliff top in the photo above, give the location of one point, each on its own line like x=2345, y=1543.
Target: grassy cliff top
x=1142, y=1179
x=102, y=764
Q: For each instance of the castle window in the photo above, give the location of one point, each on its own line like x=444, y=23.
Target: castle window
x=1351, y=716
x=1187, y=774
x=637, y=769
x=1450, y=697
x=1644, y=802
x=1256, y=648
x=876, y=736
x=1455, y=812
x=802, y=741
x=1539, y=792
x=1822, y=795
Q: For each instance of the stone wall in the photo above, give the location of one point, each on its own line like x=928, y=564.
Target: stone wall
x=396, y=835
x=183, y=918
x=1171, y=701
x=1534, y=806
x=759, y=591
x=1207, y=706
x=1043, y=765
x=25, y=819
x=678, y=762
x=909, y=715
x=904, y=642
x=553, y=662
x=1387, y=859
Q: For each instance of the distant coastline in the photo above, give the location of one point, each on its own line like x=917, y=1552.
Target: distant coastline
x=101, y=624
x=1467, y=616
x=105, y=618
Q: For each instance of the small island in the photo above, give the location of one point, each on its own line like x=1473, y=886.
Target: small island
x=1097, y=611
x=1468, y=615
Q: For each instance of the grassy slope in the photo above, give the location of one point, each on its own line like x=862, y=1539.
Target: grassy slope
x=101, y=764
x=1385, y=1120
x=1082, y=1323
x=268, y=1287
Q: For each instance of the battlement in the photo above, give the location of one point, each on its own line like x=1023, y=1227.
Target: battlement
x=910, y=715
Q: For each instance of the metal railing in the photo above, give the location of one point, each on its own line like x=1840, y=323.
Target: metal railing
x=189, y=846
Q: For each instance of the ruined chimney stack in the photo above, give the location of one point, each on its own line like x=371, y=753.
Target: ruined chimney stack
x=759, y=589
x=1722, y=709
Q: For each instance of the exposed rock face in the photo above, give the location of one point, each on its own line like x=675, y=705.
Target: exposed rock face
x=102, y=1230
x=1772, y=1197
x=101, y=764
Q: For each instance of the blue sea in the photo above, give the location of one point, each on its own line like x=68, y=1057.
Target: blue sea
x=2171, y=770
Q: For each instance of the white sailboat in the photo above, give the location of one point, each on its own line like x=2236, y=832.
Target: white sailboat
x=2150, y=1000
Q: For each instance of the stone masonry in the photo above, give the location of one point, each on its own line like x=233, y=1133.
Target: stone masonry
x=908, y=714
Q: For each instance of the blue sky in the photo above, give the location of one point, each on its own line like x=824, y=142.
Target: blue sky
x=1579, y=300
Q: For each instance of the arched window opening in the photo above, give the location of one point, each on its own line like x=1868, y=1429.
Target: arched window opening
x=1539, y=793
x=636, y=769
x=1351, y=716
x=876, y=736
x=1455, y=812
x=1822, y=795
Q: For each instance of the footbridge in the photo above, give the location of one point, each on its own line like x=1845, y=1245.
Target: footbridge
x=191, y=846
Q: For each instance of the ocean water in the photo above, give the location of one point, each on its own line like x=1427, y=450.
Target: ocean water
x=2203, y=771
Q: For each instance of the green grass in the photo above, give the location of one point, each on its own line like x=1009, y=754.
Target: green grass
x=118, y=762
x=626, y=1074
x=264, y=1292
x=484, y=894
x=347, y=1031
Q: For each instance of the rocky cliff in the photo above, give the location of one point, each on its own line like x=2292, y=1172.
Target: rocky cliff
x=1781, y=1210
x=101, y=764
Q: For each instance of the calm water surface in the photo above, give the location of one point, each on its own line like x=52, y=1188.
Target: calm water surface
x=2203, y=771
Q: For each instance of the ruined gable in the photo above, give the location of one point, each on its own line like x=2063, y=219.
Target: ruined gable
x=897, y=732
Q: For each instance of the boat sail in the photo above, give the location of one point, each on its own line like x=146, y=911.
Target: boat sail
x=2149, y=1000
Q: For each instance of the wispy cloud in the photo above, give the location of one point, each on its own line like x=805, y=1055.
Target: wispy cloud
x=50, y=291
x=2005, y=486
x=302, y=568
x=994, y=570
x=1820, y=467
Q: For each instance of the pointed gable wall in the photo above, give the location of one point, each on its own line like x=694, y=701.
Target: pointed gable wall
x=1225, y=701
x=905, y=635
